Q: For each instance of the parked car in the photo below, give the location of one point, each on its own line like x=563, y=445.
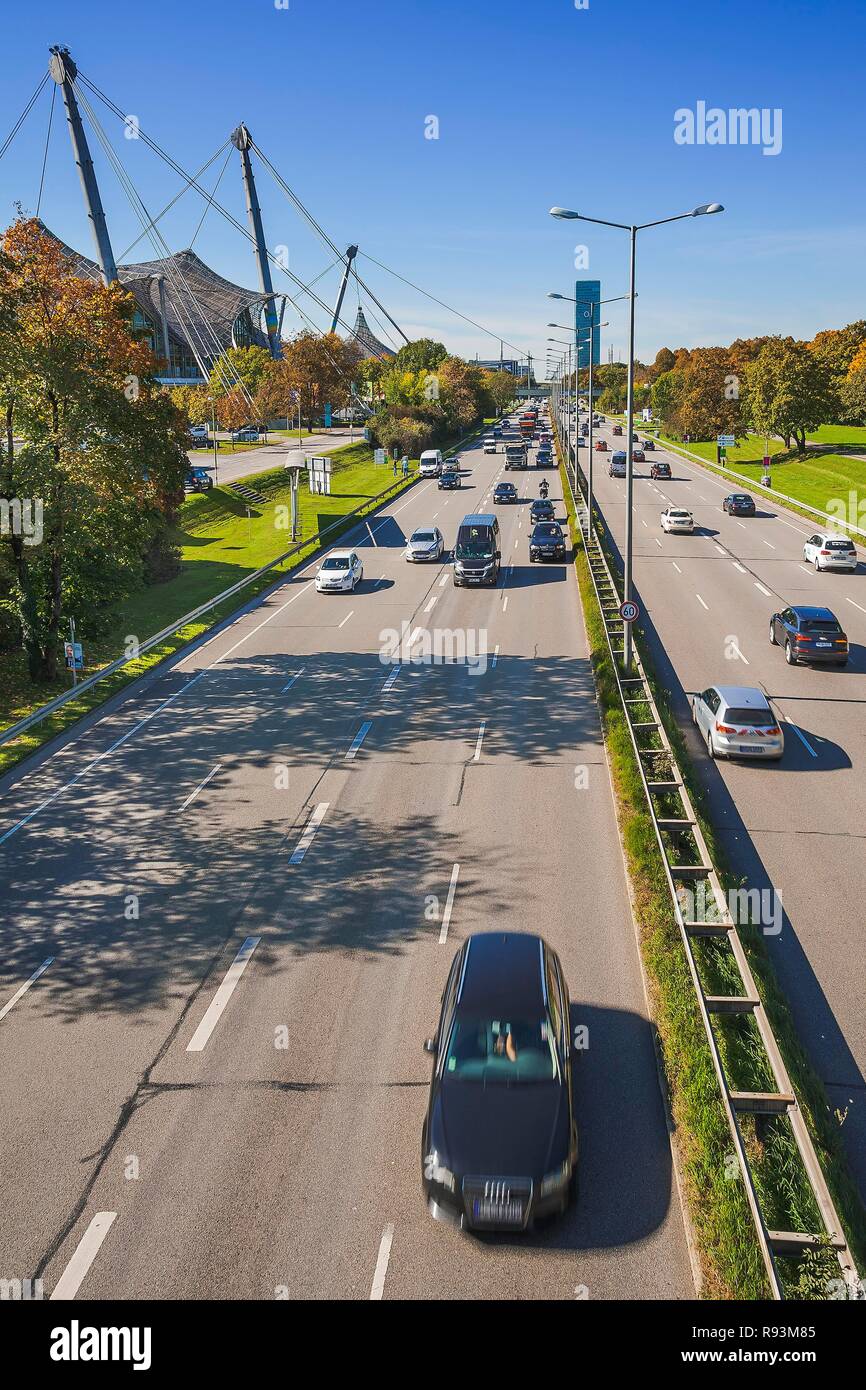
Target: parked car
x=427, y=543
x=505, y=492
x=499, y=1144
x=198, y=480
x=739, y=504
x=247, y=434
x=199, y=435
x=341, y=571
x=809, y=635
x=737, y=722
x=677, y=519
x=660, y=469
x=827, y=550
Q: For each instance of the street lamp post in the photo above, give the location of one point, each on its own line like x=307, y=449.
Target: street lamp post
x=703, y=210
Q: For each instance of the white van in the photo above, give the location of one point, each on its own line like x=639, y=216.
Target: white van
x=431, y=463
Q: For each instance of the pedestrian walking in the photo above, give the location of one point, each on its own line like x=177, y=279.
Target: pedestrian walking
x=405, y=467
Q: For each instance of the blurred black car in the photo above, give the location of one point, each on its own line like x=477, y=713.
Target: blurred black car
x=505, y=492
x=809, y=635
x=449, y=478
x=499, y=1144
x=547, y=542
x=542, y=510
x=739, y=504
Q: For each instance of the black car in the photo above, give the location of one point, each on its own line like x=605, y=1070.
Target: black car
x=544, y=459
x=649, y=445
x=547, y=542
x=809, y=635
x=499, y=1146
x=505, y=492
x=542, y=510
x=198, y=480
x=660, y=469
x=449, y=478
x=739, y=504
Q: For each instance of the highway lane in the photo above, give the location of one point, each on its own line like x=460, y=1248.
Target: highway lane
x=797, y=826
x=262, y=1167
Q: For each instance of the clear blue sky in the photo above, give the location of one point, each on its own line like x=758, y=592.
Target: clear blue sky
x=538, y=104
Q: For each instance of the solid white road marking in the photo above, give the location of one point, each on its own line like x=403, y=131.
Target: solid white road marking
x=738, y=566
x=856, y=605
x=118, y=742
x=801, y=736
x=444, y=579
x=449, y=905
x=378, y=1286
x=201, y=786
x=358, y=740
x=763, y=590
x=391, y=678
x=300, y=671
x=767, y=543
x=346, y=619
x=275, y=614
x=75, y=1272
x=701, y=602
x=26, y=985
x=479, y=741
x=316, y=818
x=217, y=1005
x=805, y=569
x=372, y=537
x=738, y=653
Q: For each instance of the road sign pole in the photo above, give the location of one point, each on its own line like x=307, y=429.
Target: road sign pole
x=72, y=640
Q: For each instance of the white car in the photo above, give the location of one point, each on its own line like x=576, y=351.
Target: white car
x=490, y=445
x=678, y=519
x=737, y=721
x=199, y=432
x=828, y=551
x=339, y=572
x=427, y=543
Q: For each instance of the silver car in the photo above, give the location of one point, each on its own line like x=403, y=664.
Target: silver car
x=737, y=721
x=427, y=543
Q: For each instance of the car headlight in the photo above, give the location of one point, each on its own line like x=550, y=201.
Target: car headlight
x=436, y=1172
x=554, y=1182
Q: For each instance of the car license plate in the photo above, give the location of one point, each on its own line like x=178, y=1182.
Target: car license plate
x=497, y=1213
x=751, y=748
x=823, y=644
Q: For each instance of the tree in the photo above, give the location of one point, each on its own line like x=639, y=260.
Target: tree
x=501, y=388
x=853, y=391
x=424, y=355
x=193, y=402
x=103, y=448
x=665, y=396
x=404, y=387
x=790, y=390
x=320, y=370
x=663, y=362
x=836, y=348
x=249, y=365
x=707, y=401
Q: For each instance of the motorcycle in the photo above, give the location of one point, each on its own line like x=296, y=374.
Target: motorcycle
x=543, y=489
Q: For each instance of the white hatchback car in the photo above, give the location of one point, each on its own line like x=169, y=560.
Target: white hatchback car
x=427, y=543
x=828, y=551
x=678, y=519
x=339, y=572
x=737, y=721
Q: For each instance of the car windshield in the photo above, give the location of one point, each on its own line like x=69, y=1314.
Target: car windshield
x=501, y=1051
x=548, y=530
x=335, y=562
x=423, y=537
x=474, y=543
x=749, y=718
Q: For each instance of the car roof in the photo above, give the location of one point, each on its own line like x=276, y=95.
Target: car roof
x=834, y=536
x=479, y=519
x=808, y=612
x=502, y=973
x=743, y=696
x=338, y=554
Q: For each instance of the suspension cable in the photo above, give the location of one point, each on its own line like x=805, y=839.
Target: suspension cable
x=168, y=206
x=47, y=141
x=22, y=118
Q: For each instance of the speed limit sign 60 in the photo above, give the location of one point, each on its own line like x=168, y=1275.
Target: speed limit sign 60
x=628, y=611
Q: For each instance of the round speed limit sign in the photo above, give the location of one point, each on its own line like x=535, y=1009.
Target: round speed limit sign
x=628, y=611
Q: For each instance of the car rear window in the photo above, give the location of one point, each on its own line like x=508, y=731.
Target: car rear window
x=846, y=546
x=750, y=718
x=821, y=625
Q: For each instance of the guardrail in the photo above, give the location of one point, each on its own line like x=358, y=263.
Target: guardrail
x=76, y=691
x=770, y=491
x=692, y=877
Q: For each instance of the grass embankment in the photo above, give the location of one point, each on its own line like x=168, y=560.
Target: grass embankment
x=728, y=1250
x=219, y=546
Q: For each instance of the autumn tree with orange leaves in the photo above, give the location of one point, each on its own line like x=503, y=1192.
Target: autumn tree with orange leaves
x=86, y=433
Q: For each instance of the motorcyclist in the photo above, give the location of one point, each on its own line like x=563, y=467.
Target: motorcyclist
x=543, y=487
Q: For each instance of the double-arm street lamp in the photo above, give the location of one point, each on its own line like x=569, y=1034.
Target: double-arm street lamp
x=633, y=229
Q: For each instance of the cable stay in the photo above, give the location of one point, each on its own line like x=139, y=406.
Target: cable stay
x=23, y=117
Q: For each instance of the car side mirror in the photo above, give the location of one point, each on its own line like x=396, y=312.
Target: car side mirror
x=430, y=1046
x=497, y=555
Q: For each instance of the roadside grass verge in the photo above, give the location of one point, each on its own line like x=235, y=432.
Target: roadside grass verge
x=727, y=1246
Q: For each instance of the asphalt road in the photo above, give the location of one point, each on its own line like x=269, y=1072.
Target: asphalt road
x=246, y=462
x=796, y=826
x=265, y=1142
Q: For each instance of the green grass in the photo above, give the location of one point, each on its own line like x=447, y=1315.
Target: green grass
x=729, y=1253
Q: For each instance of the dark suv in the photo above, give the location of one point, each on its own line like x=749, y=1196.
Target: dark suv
x=660, y=469
x=547, y=542
x=499, y=1145
x=809, y=635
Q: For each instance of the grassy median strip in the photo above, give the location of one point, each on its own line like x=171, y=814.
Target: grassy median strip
x=727, y=1245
